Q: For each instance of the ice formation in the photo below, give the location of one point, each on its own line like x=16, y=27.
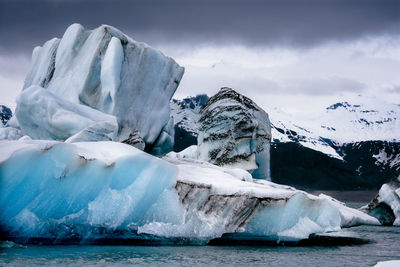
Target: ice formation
x=392, y=263
x=386, y=205
x=108, y=71
x=234, y=131
x=10, y=130
x=43, y=115
x=9, y=133
x=93, y=190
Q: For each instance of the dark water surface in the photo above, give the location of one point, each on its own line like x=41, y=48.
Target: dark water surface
x=386, y=246
x=353, y=196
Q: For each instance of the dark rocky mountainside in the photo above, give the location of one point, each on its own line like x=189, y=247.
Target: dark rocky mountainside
x=307, y=161
x=5, y=114
x=305, y=168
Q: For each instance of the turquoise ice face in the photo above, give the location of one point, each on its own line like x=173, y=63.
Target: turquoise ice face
x=43, y=187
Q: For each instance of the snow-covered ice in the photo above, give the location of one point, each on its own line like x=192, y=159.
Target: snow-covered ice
x=43, y=115
x=108, y=71
x=76, y=189
x=234, y=131
x=9, y=133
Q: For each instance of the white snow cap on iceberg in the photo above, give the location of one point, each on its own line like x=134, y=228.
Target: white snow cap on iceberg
x=92, y=189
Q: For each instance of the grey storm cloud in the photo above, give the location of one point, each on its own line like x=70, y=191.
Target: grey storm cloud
x=296, y=23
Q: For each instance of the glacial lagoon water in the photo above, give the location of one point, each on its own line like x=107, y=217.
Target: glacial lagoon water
x=384, y=246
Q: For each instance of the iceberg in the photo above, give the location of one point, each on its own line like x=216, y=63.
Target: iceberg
x=43, y=115
x=234, y=131
x=88, y=191
x=386, y=205
x=110, y=72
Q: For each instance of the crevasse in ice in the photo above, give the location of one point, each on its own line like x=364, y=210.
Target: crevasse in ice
x=95, y=190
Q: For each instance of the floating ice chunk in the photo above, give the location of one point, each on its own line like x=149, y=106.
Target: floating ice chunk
x=90, y=190
x=108, y=71
x=302, y=229
x=349, y=216
x=63, y=187
x=43, y=115
x=235, y=132
x=258, y=206
x=386, y=205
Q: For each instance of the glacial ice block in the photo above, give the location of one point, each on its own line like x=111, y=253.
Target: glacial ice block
x=43, y=115
x=231, y=201
x=74, y=189
x=94, y=190
x=110, y=72
x=386, y=205
x=234, y=131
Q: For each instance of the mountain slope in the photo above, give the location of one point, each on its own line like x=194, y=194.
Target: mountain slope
x=186, y=114
x=5, y=114
x=351, y=144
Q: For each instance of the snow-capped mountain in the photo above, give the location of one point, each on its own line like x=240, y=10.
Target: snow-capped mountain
x=350, y=144
x=358, y=120
x=186, y=114
x=359, y=141
x=5, y=114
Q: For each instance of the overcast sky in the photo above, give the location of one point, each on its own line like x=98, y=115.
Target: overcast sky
x=294, y=54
